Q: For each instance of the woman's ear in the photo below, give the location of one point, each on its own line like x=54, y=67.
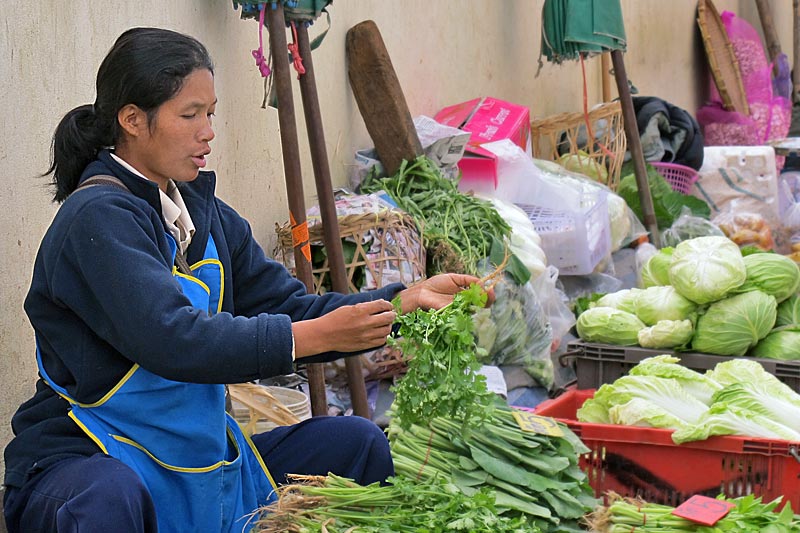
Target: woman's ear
x=132, y=120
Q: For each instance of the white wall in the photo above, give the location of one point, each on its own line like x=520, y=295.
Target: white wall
x=443, y=52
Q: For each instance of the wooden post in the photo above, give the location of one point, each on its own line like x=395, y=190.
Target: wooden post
x=327, y=207
x=294, y=181
x=770, y=35
x=605, y=76
x=379, y=97
x=635, y=146
x=796, y=50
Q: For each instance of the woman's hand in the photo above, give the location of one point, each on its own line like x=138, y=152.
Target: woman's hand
x=350, y=328
x=436, y=292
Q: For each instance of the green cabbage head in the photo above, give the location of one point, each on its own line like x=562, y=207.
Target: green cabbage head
x=706, y=269
x=666, y=334
x=773, y=274
x=624, y=300
x=779, y=344
x=789, y=312
x=609, y=326
x=734, y=325
x=662, y=303
x=656, y=270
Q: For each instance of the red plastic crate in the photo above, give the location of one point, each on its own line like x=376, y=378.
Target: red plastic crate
x=644, y=462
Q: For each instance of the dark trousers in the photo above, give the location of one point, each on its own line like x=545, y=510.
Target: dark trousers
x=100, y=494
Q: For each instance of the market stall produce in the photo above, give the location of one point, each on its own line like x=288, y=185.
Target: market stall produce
x=449, y=434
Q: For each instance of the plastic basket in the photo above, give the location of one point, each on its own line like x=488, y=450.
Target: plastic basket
x=680, y=177
x=645, y=463
x=596, y=364
x=574, y=242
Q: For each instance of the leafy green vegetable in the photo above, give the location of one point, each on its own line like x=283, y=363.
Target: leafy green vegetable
x=338, y=505
x=656, y=270
x=789, y=311
x=457, y=229
x=747, y=370
x=666, y=334
x=749, y=515
x=666, y=393
x=582, y=303
x=762, y=400
x=773, y=274
x=699, y=385
x=724, y=419
x=667, y=203
x=439, y=346
x=734, y=325
x=706, y=269
x=781, y=343
x=644, y=413
x=624, y=300
x=610, y=326
x=662, y=303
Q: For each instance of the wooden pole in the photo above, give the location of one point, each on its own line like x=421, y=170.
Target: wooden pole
x=635, y=146
x=327, y=207
x=796, y=49
x=770, y=35
x=294, y=181
x=605, y=76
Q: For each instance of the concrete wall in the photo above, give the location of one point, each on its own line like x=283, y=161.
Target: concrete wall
x=443, y=52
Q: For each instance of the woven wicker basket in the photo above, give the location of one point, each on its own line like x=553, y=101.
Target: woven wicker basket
x=559, y=134
x=398, y=251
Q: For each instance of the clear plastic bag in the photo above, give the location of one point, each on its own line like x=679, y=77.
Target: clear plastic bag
x=516, y=330
x=746, y=229
x=687, y=226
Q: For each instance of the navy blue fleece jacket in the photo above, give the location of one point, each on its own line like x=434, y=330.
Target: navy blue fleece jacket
x=102, y=297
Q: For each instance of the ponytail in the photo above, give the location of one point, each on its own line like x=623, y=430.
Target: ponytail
x=77, y=140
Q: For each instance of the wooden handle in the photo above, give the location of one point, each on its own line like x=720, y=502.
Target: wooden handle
x=379, y=97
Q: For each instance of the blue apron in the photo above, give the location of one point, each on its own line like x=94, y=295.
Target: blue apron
x=203, y=473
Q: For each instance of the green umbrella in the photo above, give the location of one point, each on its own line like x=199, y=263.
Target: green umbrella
x=572, y=27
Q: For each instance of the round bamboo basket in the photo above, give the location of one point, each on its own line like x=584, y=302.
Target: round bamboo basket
x=399, y=250
x=566, y=133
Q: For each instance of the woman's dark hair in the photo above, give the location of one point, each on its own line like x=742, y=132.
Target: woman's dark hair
x=145, y=67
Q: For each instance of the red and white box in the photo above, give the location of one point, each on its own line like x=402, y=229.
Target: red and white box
x=487, y=119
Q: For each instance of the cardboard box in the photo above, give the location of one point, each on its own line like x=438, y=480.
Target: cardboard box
x=487, y=119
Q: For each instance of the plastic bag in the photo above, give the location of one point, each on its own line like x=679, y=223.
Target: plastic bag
x=515, y=330
x=770, y=112
x=746, y=229
x=687, y=226
x=555, y=304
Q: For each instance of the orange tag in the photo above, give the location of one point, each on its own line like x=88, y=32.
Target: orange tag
x=703, y=510
x=300, y=236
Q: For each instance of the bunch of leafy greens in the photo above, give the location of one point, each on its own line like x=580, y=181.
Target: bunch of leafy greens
x=458, y=229
x=749, y=515
x=337, y=505
x=667, y=203
x=439, y=347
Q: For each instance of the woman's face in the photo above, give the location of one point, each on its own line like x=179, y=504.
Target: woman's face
x=174, y=145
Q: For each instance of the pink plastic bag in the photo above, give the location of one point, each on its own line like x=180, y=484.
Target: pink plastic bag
x=770, y=116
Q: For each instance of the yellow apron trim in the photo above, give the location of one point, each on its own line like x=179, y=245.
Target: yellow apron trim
x=261, y=462
x=89, y=433
x=105, y=397
x=221, y=276
x=192, y=278
x=197, y=470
